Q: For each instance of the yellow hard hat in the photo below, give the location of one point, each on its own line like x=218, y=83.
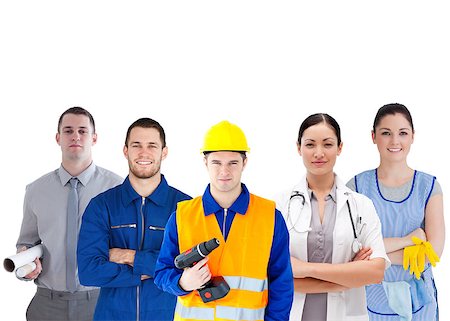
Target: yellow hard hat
x=225, y=136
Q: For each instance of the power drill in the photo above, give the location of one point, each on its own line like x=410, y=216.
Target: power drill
x=217, y=287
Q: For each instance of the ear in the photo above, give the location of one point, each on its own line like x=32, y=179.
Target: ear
x=299, y=149
x=58, y=138
x=340, y=148
x=244, y=163
x=125, y=151
x=412, y=137
x=94, y=139
x=164, y=153
x=373, y=137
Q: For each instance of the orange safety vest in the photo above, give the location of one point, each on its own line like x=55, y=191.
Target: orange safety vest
x=242, y=260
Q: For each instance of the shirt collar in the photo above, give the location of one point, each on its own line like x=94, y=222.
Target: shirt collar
x=84, y=176
x=331, y=195
x=158, y=197
x=240, y=205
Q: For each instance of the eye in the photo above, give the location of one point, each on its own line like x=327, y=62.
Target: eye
x=309, y=145
x=385, y=133
x=83, y=131
x=403, y=133
x=68, y=131
x=329, y=145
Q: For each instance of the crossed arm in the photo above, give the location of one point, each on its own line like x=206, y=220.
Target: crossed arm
x=325, y=277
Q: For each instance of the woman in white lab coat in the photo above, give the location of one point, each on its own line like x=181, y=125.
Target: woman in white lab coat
x=335, y=234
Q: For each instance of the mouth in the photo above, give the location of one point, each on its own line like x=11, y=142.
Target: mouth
x=144, y=163
x=394, y=150
x=319, y=163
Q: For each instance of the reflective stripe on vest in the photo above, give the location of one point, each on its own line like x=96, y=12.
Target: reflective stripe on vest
x=222, y=312
x=194, y=313
x=239, y=313
x=245, y=283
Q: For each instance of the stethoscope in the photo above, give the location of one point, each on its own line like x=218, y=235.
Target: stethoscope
x=356, y=227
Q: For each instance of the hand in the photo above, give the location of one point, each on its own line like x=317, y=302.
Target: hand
x=363, y=254
x=35, y=273
x=299, y=268
x=144, y=277
x=419, y=233
x=195, y=277
x=122, y=256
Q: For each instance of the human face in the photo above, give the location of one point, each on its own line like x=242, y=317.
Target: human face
x=76, y=138
x=319, y=149
x=225, y=171
x=393, y=137
x=144, y=152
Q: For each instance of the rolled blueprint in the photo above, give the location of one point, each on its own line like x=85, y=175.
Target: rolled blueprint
x=18, y=260
x=25, y=269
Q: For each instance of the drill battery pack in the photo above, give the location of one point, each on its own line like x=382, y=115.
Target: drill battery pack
x=215, y=289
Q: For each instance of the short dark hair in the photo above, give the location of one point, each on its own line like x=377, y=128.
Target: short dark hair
x=317, y=119
x=76, y=111
x=392, y=109
x=147, y=123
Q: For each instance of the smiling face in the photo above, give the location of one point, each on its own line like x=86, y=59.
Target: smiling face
x=319, y=149
x=144, y=152
x=393, y=136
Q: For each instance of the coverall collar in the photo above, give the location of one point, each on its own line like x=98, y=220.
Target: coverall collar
x=240, y=205
x=158, y=197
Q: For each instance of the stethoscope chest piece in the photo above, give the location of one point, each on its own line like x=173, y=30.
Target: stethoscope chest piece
x=356, y=246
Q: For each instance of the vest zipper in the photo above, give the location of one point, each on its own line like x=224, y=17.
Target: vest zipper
x=225, y=212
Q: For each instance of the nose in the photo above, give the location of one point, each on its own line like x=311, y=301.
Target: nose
x=319, y=153
x=395, y=139
x=224, y=170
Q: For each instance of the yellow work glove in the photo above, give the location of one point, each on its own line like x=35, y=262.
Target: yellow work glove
x=427, y=249
x=410, y=259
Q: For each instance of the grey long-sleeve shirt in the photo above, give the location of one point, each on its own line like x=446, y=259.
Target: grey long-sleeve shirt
x=45, y=217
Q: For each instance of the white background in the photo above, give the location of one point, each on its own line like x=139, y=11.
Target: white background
x=263, y=65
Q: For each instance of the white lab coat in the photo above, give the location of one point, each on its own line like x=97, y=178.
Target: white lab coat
x=347, y=305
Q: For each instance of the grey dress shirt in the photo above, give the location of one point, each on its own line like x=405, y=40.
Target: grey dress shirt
x=320, y=250
x=45, y=218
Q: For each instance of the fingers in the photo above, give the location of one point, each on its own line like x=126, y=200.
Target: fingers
x=35, y=273
x=363, y=254
x=195, y=277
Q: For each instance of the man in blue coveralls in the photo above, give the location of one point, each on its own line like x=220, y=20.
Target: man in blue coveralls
x=122, y=232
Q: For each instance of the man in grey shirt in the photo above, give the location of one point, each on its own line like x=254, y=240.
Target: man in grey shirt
x=45, y=220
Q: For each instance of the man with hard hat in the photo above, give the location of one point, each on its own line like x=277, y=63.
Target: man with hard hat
x=253, y=255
